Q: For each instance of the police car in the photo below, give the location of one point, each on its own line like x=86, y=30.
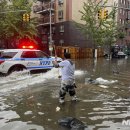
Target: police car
x=19, y=59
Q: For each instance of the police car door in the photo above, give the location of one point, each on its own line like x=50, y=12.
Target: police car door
x=30, y=60
x=45, y=62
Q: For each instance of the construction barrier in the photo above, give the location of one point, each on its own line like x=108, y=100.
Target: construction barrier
x=77, y=53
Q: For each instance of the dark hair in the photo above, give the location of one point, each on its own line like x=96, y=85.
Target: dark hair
x=67, y=55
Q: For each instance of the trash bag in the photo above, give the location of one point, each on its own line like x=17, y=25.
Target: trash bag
x=72, y=123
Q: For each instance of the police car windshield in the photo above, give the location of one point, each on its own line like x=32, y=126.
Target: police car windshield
x=41, y=54
x=7, y=54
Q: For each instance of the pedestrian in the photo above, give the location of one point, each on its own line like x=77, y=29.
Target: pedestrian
x=67, y=68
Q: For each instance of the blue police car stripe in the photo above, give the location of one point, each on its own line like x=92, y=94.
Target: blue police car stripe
x=40, y=67
x=33, y=59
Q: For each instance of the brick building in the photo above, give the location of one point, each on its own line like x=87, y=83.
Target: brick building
x=64, y=15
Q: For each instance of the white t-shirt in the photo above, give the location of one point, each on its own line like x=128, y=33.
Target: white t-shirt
x=67, y=70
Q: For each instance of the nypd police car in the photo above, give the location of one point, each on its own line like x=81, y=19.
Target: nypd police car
x=19, y=59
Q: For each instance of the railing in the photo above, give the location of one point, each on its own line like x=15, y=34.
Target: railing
x=42, y=7
x=46, y=20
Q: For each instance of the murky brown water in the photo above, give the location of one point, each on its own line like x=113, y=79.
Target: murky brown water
x=29, y=102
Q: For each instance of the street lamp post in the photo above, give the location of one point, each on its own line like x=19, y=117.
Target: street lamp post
x=50, y=37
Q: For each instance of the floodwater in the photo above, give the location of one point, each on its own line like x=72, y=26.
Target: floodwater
x=30, y=101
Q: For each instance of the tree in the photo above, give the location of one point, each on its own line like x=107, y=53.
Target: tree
x=11, y=20
x=100, y=29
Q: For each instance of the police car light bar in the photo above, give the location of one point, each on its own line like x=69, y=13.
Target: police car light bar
x=28, y=47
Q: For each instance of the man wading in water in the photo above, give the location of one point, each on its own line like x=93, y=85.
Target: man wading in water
x=67, y=79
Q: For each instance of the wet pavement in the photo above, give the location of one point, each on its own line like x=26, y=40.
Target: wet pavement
x=30, y=101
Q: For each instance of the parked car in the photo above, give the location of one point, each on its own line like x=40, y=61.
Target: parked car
x=121, y=54
x=19, y=59
x=117, y=52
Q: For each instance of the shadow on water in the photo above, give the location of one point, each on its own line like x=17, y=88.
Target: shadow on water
x=103, y=104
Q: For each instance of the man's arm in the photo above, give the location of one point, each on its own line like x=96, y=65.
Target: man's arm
x=55, y=63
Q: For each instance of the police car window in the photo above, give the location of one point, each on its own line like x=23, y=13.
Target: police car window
x=41, y=54
x=7, y=54
x=28, y=54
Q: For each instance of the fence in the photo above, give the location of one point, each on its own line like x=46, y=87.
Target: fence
x=78, y=53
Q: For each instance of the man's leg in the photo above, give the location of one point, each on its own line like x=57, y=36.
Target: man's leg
x=72, y=92
x=62, y=93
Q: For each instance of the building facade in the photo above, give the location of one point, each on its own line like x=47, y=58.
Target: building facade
x=64, y=16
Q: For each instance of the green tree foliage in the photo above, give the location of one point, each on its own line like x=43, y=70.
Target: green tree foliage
x=11, y=19
x=102, y=30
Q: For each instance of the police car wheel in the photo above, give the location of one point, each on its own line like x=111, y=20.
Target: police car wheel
x=16, y=68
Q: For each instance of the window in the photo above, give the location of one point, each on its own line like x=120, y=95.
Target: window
x=62, y=28
x=28, y=54
x=120, y=21
x=123, y=12
x=41, y=54
x=124, y=2
x=8, y=54
x=120, y=11
x=61, y=41
x=60, y=14
x=123, y=21
x=53, y=29
x=60, y=2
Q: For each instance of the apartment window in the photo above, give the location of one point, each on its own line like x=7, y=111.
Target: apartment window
x=62, y=28
x=128, y=16
x=60, y=14
x=123, y=12
x=120, y=11
x=60, y=2
x=53, y=29
x=123, y=21
x=124, y=2
x=61, y=41
x=120, y=21
x=44, y=39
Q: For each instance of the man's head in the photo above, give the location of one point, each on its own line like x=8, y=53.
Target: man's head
x=67, y=55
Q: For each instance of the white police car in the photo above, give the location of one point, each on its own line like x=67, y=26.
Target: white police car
x=19, y=59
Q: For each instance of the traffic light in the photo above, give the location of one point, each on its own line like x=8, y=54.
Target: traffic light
x=100, y=14
x=26, y=17
x=105, y=14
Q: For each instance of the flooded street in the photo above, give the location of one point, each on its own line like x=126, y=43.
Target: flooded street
x=30, y=101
